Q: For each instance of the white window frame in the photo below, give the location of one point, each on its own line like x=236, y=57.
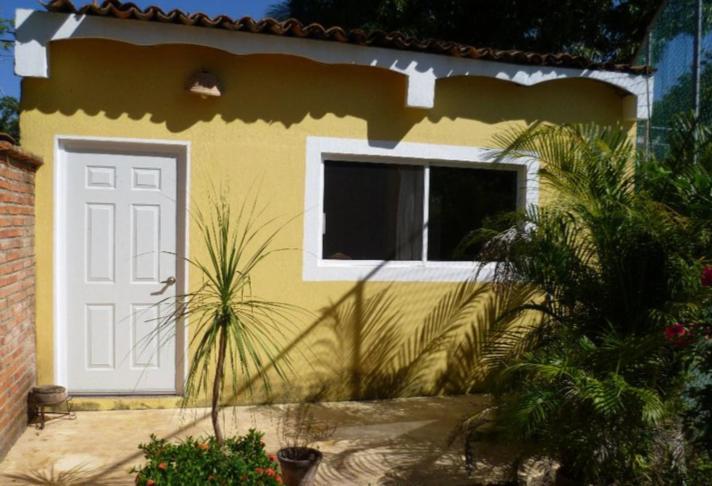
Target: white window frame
x=321, y=149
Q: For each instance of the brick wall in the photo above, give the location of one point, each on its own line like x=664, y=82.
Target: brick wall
x=17, y=289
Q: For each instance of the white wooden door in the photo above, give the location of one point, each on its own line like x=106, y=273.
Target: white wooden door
x=120, y=250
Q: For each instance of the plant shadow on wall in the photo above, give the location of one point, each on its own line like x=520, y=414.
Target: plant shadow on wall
x=367, y=355
x=619, y=263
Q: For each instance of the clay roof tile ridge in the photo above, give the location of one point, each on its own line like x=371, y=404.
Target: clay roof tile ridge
x=295, y=28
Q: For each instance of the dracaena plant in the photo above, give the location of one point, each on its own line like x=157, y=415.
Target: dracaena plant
x=615, y=264
x=237, y=337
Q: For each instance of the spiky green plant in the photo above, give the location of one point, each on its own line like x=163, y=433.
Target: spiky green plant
x=233, y=329
x=614, y=263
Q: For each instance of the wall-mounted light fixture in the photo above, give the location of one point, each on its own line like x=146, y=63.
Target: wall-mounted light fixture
x=204, y=84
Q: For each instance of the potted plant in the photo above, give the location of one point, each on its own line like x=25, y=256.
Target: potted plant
x=299, y=432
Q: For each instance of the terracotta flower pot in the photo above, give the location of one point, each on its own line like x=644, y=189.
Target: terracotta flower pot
x=299, y=465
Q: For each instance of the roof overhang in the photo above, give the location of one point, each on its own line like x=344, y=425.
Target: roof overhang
x=34, y=30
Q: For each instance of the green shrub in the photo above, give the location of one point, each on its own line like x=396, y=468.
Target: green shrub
x=619, y=262
x=240, y=460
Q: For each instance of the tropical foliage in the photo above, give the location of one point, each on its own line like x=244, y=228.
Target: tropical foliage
x=193, y=462
x=621, y=305
x=9, y=106
x=684, y=184
x=233, y=329
x=601, y=29
x=9, y=117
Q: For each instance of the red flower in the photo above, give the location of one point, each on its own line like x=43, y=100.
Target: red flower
x=270, y=472
x=706, y=277
x=679, y=334
x=272, y=457
x=163, y=466
x=675, y=331
x=278, y=478
x=150, y=482
x=259, y=470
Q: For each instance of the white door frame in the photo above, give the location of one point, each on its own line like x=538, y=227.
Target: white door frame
x=65, y=143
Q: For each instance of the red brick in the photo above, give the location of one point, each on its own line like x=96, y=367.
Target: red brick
x=17, y=293
x=11, y=232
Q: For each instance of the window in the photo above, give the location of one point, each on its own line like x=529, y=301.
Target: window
x=375, y=211
x=398, y=211
x=372, y=211
x=460, y=201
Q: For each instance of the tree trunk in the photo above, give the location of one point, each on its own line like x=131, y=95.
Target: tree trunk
x=217, y=386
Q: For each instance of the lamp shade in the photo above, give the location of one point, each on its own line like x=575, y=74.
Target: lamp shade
x=204, y=84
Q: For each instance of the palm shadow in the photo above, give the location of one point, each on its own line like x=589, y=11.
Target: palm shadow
x=361, y=348
x=467, y=334
x=75, y=476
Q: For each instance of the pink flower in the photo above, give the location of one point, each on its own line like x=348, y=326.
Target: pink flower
x=706, y=277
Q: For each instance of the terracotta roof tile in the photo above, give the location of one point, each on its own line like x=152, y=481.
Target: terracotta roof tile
x=295, y=28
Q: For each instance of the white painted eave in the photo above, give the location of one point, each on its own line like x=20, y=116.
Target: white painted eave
x=34, y=31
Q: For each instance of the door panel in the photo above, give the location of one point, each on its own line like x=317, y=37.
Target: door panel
x=121, y=247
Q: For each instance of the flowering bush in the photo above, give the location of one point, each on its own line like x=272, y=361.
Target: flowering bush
x=684, y=334
x=240, y=460
x=600, y=372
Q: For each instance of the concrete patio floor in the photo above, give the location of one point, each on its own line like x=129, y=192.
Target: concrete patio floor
x=402, y=441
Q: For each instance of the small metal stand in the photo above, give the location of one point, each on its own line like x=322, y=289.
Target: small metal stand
x=50, y=396
x=45, y=416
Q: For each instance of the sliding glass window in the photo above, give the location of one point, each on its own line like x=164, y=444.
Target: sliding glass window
x=401, y=212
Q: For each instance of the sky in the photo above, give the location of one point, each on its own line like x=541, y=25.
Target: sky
x=676, y=60
x=10, y=84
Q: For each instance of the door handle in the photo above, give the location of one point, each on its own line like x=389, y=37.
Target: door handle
x=166, y=283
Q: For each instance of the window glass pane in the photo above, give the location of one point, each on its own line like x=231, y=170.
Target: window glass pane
x=460, y=199
x=372, y=211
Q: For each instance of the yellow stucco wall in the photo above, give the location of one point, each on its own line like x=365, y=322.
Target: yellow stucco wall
x=256, y=132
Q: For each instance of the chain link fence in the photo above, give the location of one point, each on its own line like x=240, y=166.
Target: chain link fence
x=671, y=49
